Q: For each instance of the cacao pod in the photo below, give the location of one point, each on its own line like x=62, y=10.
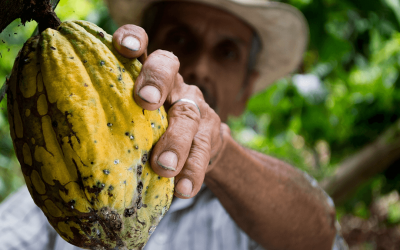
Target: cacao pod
x=82, y=142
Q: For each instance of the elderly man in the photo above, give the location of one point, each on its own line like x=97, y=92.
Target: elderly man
x=215, y=55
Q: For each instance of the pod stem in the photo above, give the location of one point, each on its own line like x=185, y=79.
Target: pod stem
x=38, y=10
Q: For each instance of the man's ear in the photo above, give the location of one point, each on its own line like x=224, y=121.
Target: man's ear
x=246, y=92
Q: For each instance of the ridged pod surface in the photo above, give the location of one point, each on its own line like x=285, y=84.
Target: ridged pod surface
x=82, y=141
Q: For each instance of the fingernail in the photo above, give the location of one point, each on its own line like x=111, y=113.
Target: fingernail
x=131, y=43
x=184, y=187
x=150, y=94
x=168, y=160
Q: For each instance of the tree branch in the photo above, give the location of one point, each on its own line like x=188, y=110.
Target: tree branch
x=38, y=10
x=371, y=160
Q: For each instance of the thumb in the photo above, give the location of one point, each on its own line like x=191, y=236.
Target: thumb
x=130, y=41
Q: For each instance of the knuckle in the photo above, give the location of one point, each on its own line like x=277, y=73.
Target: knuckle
x=211, y=115
x=195, y=165
x=201, y=142
x=195, y=90
x=158, y=74
x=168, y=55
x=215, y=117
x=185, y=111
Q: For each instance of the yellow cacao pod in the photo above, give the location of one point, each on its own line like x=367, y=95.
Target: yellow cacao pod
x=82, y=141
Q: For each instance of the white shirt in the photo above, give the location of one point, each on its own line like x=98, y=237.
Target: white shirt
x=199, y=223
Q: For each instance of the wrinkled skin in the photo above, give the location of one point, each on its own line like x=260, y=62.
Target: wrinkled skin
x=210, y=50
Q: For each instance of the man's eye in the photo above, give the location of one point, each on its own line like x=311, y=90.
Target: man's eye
x=229, y=54
x=227, y=51
x=177, y=38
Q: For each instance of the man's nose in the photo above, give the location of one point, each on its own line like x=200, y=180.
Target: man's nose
x=197, y=70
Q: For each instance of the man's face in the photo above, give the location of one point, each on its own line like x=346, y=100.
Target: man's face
x=213, y=48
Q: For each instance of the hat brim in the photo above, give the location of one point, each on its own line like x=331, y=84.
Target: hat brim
x=283, y=30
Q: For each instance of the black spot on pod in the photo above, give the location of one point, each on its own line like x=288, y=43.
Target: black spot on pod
x=123, y=70
x=110, y=188
x=139, y=170
x=109, y=124
x=129, y=212
x=102, y=63
x=119, y=78
x=111, y=85
x=159, y=177
x=144, y=158
x=127, y=133
x=71, y=57
x=140, y=187
x=53, y=48
x=101, y=34
x=106, y=171
x=120, y=243
x=84, y=61
x=136, y=147
x=141, y=245
x=139, y=202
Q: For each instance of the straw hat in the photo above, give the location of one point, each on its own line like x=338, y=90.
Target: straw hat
x=282, y=28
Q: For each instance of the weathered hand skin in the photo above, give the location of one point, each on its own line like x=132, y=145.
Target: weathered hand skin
x=82, y=141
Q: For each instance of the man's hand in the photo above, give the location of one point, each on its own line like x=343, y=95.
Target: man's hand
x=193, y=137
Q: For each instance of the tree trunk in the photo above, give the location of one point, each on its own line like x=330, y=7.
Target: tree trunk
x=371, y=160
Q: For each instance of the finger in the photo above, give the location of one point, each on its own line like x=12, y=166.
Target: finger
x=130, y=41
x=188, y=182
x=171, y=151
x=217, y=136
x=156, y=80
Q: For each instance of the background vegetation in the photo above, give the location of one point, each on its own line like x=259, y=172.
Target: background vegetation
x=342, y=98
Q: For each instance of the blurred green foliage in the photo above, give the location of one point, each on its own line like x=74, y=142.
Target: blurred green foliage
x=345, y=94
